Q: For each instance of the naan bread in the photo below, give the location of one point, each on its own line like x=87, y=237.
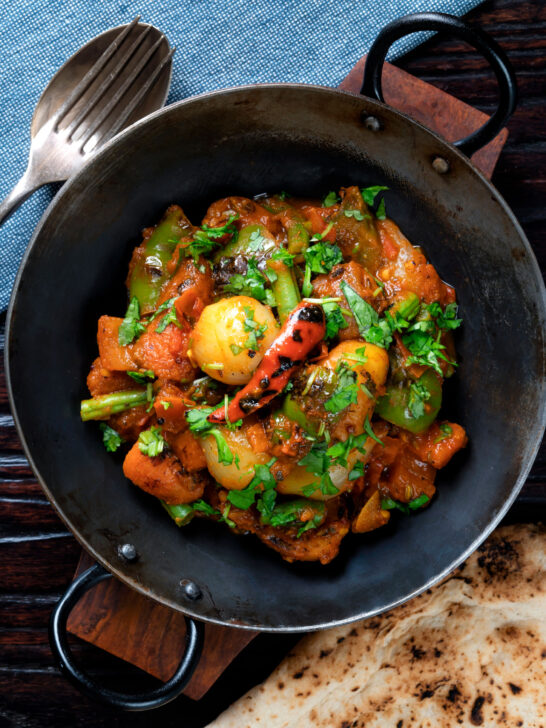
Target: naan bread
x=469, y=652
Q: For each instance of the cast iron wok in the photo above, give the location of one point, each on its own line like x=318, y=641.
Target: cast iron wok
x=306, y=140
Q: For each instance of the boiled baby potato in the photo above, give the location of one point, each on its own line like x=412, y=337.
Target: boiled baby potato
x=240, y=472
x=231, y=337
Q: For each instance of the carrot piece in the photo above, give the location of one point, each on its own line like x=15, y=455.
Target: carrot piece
x=113, y=356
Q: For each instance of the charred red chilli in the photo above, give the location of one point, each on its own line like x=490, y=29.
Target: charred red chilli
x=302, y=331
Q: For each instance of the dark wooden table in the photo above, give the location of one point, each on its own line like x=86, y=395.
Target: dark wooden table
x=38, y=555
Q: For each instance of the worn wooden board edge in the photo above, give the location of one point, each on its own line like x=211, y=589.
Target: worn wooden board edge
x=151, y=636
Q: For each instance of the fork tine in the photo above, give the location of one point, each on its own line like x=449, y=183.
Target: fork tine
x=136, y=71
x=93, y=72
x=108, y=81
x=122, y=118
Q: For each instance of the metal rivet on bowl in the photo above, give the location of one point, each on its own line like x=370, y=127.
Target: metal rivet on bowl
x=440, y=165
x=191, y=590
x=372, y=123
x=128, y=552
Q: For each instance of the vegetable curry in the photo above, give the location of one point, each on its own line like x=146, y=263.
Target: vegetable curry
x=279, y=369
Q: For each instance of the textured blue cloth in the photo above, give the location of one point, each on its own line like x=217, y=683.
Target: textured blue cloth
x=219, y=44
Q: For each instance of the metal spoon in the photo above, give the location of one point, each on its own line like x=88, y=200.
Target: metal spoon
x=115, y=79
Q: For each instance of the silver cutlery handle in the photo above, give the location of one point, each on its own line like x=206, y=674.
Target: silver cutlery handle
x=21, y=192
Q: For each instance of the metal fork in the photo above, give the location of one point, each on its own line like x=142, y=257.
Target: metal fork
x=121, y=83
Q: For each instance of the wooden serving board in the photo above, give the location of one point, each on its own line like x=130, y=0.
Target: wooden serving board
x=151, y=636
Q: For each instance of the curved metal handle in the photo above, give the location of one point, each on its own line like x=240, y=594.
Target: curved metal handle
x=492, y=52
x=21, y=192
x=58, y=641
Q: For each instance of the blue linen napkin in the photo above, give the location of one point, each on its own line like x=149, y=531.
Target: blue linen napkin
x=219, y=44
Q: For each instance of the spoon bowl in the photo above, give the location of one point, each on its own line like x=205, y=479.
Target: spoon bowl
x=117, y=78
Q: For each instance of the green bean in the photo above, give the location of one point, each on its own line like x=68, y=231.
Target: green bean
x=101, y=407
x=181, y=514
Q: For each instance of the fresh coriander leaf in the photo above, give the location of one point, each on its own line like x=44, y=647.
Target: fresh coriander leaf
x=425, y=350
x=334, y=320
x=203, y=507
x=219, y=232
x=151, y=442
x=111, y=439
x=418, y=502
x=242, y=498
x=345, y=393
x=131, y=328
x=225, y=456
x=170, y=318
x=235, y=350
x=317, y=462
x=283, y=255
x=252, y=284
x=358, y=356
x=142, y=377
x=283, y=195
x=365, y=315
x=255, y=330
x=256, y=241
x=445, y=319
x=197, y=419
x=322, y=257
x=418, y=395
x=381, y=213
x=166, y=404
x=356, y=214
x=330, y=200
x=370, y=193
x=314, y=522
x=282, y=518
x=357, y=471
x=446, y=431
x=370, y=432
x=389, y=504
x=224, y=517
x=320, y=236
x=307, y=288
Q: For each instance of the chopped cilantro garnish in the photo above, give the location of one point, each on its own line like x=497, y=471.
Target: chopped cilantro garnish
x=197, y=420
x=345, y=393
x=151, y=442
x=252, y=283
x=330, y=200
x=255, y=241
x=318, y=463
x=205, y=240
x=255, y=331
x=320, y=236
x=425, y=350
x=418, y=395
x=369, y=195
x=389, y=504
x=131, y=327
x=204, y=507
x=142, y=377
x=235, y=350
x=446, y=431
x=110, y=438
x=319, y=258
x=356, y=214
x=262, y=482
x=283, y=255
x=446, y=319
x=368, y=430
x=334, y=320
x=357, y=471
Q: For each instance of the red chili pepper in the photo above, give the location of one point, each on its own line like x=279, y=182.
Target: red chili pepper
x=302, y=331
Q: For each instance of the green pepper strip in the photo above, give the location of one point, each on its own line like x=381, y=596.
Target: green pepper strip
x=150, y=272
x=285, y=289
x=100, y=408
x=394, y=405
x=243, y=244
x=294, y=412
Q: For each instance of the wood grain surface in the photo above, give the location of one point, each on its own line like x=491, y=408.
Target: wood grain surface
x=38, y=555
